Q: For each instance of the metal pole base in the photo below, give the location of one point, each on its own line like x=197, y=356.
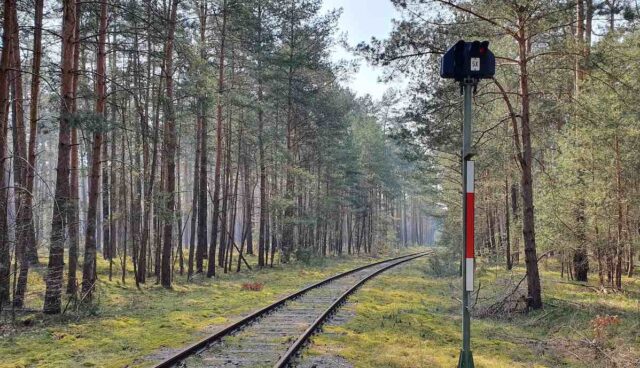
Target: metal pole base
x=466, y=359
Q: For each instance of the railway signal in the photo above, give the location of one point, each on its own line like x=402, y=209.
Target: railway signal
x=468, y=60
x=467, y=63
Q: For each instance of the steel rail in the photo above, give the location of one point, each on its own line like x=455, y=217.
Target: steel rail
x=285, y=359
x=195, y=348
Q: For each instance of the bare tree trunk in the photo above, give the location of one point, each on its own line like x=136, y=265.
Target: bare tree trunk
x=106, y=195
x=169, y=153
x=88, y=268
x=5, y=66
x=211, y=269
x=580, y=256
x=32, y=253
x=223, y=250
x=200, y=197
x=262, y=237
x=507, y=222
x=234, y=208
x=248, y=202
x=194, y=207
x=122, y=222
x=620, y=223
x=178, y=216
x=25, y=233
x=114, y=214
x=149, y=173
x=136, y=205
x=74, y=208
x=528, y=220
x=52, y=300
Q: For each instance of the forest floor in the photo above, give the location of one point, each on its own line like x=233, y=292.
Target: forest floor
x=410, y=317
x=130, y=327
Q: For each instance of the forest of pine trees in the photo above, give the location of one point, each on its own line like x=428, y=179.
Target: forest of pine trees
x=556, y=131
x=187, y=138
x=168, y=165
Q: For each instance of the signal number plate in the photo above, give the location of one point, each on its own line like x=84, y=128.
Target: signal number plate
x=475, y=64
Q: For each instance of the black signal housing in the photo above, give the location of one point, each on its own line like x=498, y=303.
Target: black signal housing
x=468, y=60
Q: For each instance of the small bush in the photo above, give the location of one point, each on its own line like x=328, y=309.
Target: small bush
x=308, y=257
x=601, y=324
x=252, y=286
x=442, y=265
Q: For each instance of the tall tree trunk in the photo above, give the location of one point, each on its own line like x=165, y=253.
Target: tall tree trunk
x=25, y=233
x=507, y=223
x=211, y=269
x=224, y=232
x=248, y=202
x=148, y=167
x=288, y=228
x=201, y=160
x=136, y=203
x=32, y=253
x=52, y=300
x=114, y=209
x=88, y=267
x=169, y=153
x=194, y=207
x=528, y=220
x=180, y=232
x=580, y=256
x=619, y=251
x=5, y=66
x=113, y=193
x=123, y=215
x=74, y=205
x=262, y=236
x=106, y=196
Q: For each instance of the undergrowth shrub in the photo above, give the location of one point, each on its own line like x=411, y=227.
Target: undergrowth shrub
x=443, y=264
x=308, y=257
x=252, y=286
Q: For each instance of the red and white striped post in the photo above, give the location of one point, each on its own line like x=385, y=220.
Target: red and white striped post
x=469, y=251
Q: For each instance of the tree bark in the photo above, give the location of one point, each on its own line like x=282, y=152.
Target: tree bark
x=5, y=66
x=288, y=227
x=211, y=269
x=32, y=253
x=526, y=163
x=88, y=267
x=580, y=256
x=194, y=207
x=74, y=205
x=248, y=201
x=262, y=236
x=52, y=300
x=202, y=158
x=507, y=223
x=25, y=233
x=619, y=250
x=169, y=155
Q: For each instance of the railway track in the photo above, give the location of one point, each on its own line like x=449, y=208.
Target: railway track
x=273, y=335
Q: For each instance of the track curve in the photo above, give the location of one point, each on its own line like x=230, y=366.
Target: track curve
x=273, y=335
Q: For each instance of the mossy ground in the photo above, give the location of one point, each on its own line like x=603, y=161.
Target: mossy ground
x=408, y=318
x=130, y=327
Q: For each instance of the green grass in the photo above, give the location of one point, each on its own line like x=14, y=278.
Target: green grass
x=407, y=318
x=130, y=327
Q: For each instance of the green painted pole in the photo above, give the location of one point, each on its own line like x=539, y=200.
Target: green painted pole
x=466, y=357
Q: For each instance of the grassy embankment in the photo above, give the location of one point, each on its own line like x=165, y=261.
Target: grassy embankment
x=130, y=327
x=408, y=318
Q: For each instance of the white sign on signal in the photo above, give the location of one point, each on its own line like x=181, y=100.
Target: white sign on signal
x=475, y=64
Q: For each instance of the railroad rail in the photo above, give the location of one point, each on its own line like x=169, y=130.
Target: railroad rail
x=273, y=335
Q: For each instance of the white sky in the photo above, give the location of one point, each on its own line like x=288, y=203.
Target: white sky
x=361, y=20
